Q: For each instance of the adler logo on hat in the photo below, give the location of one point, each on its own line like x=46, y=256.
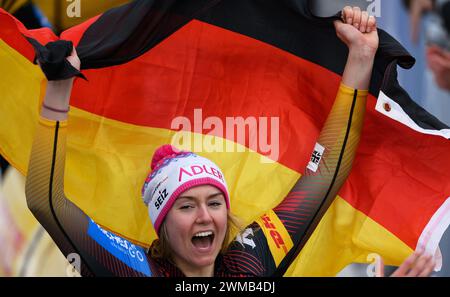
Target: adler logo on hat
x=196, y=170
x=174, y=173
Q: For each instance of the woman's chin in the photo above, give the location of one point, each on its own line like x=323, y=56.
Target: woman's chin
x=203, y=260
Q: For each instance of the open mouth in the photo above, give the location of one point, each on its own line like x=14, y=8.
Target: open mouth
x=203, y=240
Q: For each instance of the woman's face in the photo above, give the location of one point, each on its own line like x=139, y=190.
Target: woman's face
x=196, y=226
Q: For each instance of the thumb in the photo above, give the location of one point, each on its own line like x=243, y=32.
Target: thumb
x=337, y=24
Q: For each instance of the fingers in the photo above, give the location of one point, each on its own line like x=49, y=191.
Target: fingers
x=371, y=24
x=421, y=266
x=418, y=264
x=364, y=21
x=347, y=15
x=361, y=20
x=357, y=17
x=404, y=268
x=428, y=269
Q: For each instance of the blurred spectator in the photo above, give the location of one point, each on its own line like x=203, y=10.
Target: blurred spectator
x=439, y=63
x=437, y=36
x=416, y=9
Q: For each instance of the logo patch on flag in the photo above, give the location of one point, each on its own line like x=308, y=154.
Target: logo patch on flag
x=316, y=157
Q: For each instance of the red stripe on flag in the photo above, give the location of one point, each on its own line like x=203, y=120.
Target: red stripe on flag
x=400, y=177
x=224, y=73
x=11, y=31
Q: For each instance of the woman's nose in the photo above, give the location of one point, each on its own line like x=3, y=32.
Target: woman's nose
x=203, y=215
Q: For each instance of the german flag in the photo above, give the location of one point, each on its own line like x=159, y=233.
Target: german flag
x=154, y=66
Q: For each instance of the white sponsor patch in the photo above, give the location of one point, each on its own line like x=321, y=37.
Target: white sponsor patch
x=316, y=157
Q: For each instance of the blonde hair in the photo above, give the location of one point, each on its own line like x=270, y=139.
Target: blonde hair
x=160, y=248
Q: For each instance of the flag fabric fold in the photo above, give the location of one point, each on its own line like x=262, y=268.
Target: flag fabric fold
x=153, y=67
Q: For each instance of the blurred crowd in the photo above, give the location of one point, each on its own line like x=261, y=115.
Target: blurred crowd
x=436, y=34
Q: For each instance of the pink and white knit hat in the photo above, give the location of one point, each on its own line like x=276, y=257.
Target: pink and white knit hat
x=174, y=172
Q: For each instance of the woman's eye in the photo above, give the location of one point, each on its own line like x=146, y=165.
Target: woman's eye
x=186, y=206
x=215, y=203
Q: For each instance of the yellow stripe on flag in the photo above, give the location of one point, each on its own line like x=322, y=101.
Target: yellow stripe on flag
x=346, y=235
x=18, y=105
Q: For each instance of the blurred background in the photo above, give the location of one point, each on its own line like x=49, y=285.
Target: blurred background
x=420, y=25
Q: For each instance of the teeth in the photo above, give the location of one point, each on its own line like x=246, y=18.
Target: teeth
x=203, y=234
